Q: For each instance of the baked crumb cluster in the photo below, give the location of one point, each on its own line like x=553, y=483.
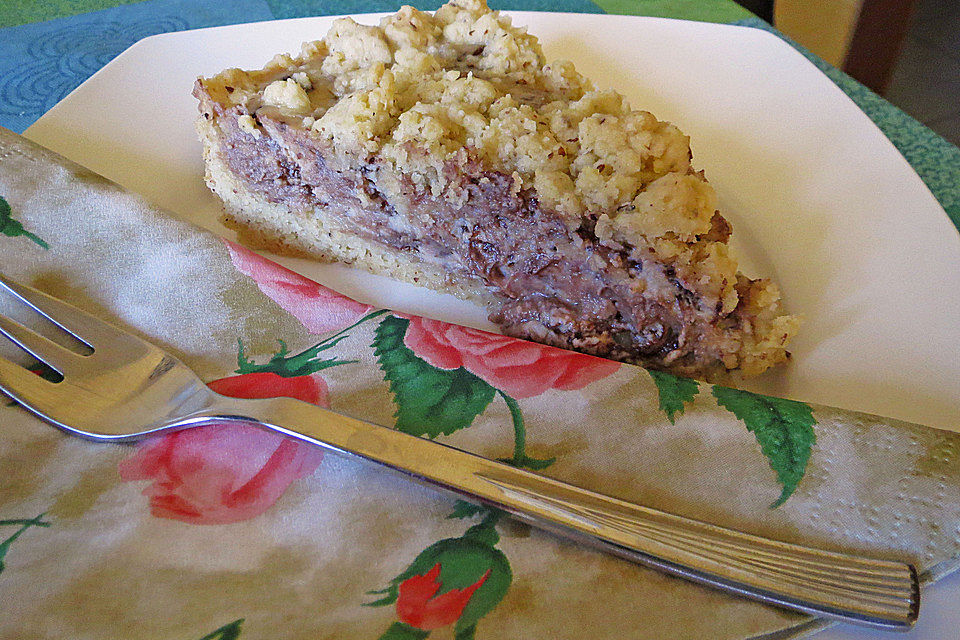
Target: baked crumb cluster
x=421, y=93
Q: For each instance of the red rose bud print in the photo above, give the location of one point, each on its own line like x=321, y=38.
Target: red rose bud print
x=455, y=581
x=419, y=605
x=266, y=384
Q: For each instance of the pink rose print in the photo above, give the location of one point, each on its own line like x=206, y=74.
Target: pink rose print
x=229, y=472
x=318, y=308
x=518, y=368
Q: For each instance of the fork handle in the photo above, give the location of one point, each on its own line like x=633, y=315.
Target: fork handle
x=877, y=593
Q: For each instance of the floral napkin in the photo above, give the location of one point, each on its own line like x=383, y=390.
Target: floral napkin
x=232, y=532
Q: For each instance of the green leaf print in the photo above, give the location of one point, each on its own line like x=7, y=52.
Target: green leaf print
x=23, y=526
x=12, y=228
x=466, y=633
x=463, y=509
x=784, y=429
x=402, y=631
x=430, y=401
x=674, y=392
x=229, y=631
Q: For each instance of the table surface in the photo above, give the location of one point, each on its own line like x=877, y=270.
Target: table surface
x=101, y=29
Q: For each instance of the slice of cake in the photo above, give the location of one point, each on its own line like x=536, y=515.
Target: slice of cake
x=444, y=150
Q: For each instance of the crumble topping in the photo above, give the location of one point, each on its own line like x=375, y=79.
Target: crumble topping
x=466, y=78
x=287, y=94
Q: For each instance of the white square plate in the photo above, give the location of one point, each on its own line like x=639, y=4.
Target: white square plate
x=819, y=199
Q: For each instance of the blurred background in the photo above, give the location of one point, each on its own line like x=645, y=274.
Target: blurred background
x=906, y=50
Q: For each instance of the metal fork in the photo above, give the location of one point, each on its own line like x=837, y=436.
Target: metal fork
x=128, y=389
